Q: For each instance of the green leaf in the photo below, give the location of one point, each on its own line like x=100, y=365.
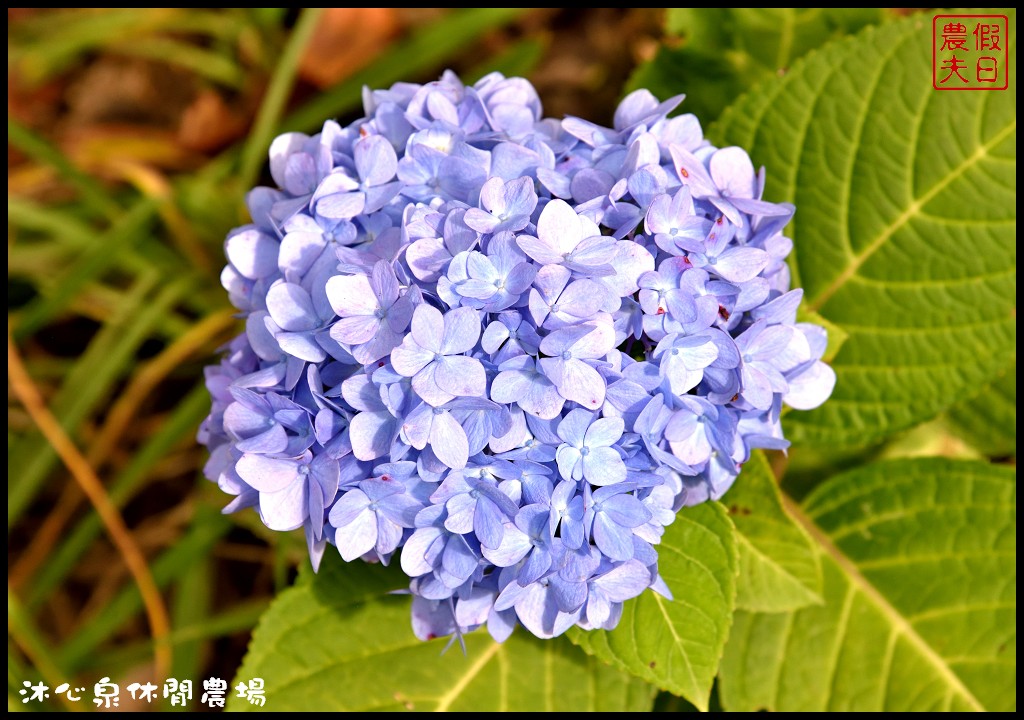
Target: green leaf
x=338, y=642
x=905, y=226
x=720, y=53
x=988, y=421
x=779, y=568
x=920, y=588
x=676, y=644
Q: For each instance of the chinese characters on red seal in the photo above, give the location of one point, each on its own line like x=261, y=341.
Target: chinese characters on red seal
x=970, y=52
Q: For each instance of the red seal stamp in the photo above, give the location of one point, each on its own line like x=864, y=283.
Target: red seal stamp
x=970, y=52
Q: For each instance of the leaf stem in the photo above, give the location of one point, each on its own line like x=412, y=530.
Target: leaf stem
x=28, y=394
x=277, y=96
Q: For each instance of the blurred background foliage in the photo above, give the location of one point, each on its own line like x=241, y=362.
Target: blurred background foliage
x=133, y=136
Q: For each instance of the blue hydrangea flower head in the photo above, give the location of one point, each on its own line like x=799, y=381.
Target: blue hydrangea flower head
x=506, y=348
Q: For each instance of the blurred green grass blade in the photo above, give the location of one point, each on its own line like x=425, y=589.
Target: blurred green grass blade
x=220, y=23
x=25, y=633
x=107, y=359
x=41, y=151
x=205, y=63
x=78, y=26
x=423, y=52
x=17, y=673
x=51, y=367
x=183, y=421
x=149, y=253
x=280, y=88
x=66, y=229
x=241, y=617
x=26, y=259
x=518, y=60
x=69, y=238
x=50, y=43
x=190, y=605
x=103, y=253
x=207, y=528
x=269, y=17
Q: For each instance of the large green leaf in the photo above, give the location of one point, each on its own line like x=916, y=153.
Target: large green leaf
x=778, y=567
x=677, y=644
x=338, y=641
x=905, y=225
x=714, y=55
x=988, y=421
x=920, y=613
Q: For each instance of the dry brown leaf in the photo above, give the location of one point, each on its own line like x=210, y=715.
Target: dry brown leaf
x=346, y=40
x=103, y=149
x=208, y=123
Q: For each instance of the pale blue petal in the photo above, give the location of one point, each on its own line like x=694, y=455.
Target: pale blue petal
x=291, y=307
x=273, y=440
x=488, y=523
x=567, y=458
x=573, y=428
x=582, y=383
x=460, y=376
x=811, y=387
x=461, y=331
x=613, y=540
x=514, y=546
x=625, y=510
x=372, y=434
x=603, y=466
x=285, y=509
x=448, y=441
x=427, y=327
x=409, y=358
x=604, y=432
x=267, y=474
x=357, y=537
